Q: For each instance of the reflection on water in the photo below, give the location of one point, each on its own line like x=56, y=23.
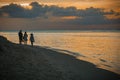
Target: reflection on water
x=100, y=48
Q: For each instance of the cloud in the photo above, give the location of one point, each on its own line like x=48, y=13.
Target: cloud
x=86, y=16
x=14, y=10
x=17, y=11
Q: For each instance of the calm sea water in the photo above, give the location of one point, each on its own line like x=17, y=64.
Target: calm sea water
x=98, y=47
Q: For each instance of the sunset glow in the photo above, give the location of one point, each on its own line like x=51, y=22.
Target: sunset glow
x=65, y=3
x=67, y=12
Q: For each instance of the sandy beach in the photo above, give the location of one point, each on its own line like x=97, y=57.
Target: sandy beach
x=24, y=62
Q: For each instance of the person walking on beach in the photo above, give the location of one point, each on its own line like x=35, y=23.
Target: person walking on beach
x=20, y=34
x=25, y=38
x=32, y=38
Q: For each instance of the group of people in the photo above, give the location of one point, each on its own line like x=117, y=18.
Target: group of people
x=24, y=37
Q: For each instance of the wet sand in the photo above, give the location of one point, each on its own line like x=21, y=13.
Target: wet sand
x=24, y=62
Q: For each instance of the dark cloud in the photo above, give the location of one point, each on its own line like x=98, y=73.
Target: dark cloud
x=37, y=10
x=93, y=16
x=87, y=16
x=60, y=11
x=13, y=10
x=17, y=11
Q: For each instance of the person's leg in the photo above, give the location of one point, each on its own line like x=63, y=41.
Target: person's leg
x=20, y=42
x=31, y=43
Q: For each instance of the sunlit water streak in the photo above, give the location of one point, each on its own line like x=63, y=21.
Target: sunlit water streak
x=100, y=48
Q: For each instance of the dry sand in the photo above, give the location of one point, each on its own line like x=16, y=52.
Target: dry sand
x=24, y=62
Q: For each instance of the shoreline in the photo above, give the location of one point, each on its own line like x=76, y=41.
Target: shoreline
x=23, y=62
x=99, y=63
x=62, y=31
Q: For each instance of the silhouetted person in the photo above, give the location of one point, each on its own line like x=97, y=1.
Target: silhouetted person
x=32, y=39
x=20, y=34
x=25, y=38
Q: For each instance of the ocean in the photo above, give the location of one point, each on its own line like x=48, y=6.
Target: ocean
x=101, y=48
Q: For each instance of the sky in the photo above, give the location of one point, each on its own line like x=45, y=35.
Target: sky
x=59, y=14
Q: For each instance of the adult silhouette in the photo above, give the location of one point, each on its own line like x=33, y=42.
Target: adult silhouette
x=25, y=38
x=20, y=34
x=32, y=38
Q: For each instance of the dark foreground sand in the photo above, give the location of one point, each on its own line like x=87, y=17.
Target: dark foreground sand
x=22, y=62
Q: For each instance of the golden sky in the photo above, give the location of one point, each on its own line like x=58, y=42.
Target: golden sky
x=109, y=4
x=107, y=20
